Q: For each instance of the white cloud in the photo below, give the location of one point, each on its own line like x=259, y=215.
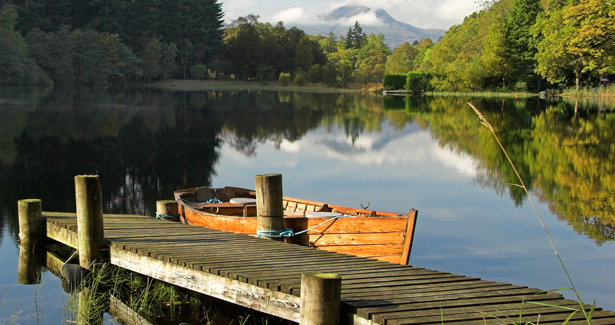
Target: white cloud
x=296, y=15
x=299, y=15
x=419, y=13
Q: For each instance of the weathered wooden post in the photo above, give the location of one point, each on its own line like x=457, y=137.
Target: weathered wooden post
x=320, y=298
x=30, y=222
x=31, y=231
x=269, y=206
x=89, y=219
x=167, y=208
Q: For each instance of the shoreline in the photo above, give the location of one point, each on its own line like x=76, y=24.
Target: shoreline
x=196, y=85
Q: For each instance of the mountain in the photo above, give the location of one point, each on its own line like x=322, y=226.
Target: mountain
x=374, y=21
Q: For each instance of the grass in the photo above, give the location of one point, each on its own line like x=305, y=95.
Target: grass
x=155, y=301
x=601, y=92
x=487, y=94
x=587, y=313
x=199, y=85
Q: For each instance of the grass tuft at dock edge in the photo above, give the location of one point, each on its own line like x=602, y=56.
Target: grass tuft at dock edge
x=586, y=313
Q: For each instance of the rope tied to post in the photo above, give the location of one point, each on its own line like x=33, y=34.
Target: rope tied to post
x=166, y=216
x=288, y=232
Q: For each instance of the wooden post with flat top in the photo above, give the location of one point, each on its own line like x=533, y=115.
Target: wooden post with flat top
x=89, y=219
x=31, y=232
x=30, y=222
x=269, y=205
x=320, y=298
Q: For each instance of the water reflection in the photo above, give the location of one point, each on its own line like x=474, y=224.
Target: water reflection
x=145, y=143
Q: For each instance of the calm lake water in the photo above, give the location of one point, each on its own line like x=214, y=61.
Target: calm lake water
x=393, y=153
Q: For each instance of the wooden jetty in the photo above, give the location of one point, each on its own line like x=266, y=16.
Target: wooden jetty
x=302, y=284
x=266, y=276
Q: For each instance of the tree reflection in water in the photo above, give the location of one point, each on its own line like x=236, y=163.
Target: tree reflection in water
x=145, y=144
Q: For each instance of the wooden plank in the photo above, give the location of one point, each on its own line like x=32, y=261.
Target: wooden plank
x=506, y=310
x=431, y=286
x=446, y=301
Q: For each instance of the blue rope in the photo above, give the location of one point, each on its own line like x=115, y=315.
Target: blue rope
x=288, y=232
x=166, y=216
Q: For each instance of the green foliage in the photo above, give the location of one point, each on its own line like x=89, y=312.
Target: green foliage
x=16, y=68
x=265, y=73
x=300, y=78
x=54, y=53
x=316, y=73
x=198, y=71
x=577, y=38
x=8, y=16
x=128, y=64
x=303, y=54
x=329, y=74
x=152, y=54
x=218, y=68
x=393, y=81
x=402, y=59
x=284, y=79
x=418, y=82
x=355, y=38
x=167, y=62
x=91, y=65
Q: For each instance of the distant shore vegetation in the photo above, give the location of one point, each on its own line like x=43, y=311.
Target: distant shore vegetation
x=507, y=46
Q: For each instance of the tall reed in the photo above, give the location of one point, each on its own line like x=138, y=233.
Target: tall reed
x=586, y=313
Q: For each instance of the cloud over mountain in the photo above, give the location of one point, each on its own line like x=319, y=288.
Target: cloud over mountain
x=344, y=17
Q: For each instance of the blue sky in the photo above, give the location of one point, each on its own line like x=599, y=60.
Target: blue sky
x=440, y=14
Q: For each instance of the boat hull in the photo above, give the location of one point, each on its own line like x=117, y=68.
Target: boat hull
x=377, y=235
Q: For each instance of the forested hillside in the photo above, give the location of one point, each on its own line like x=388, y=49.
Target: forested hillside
x=509, y=45
x=94, y=42
x=520, y=45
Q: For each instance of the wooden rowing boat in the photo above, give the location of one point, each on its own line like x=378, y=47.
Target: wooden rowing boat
x=379, y=235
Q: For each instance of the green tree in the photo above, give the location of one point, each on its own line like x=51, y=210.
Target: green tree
x=265, y=73
x=16, y=68
x=128, y=65
x=303, y=55
x=284, y=79
x=152, y=54
x=90, y=62
x=54, y=53
x=402, y=59
x=495, y=57
x=244, y=47
x=577, y=38
x=198, y=71
x=329, y=44
x=520, y=41
x=167, y=62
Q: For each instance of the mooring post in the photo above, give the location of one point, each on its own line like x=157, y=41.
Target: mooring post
x=30, y=222
x=167, y=208
x=269, y=206
x=320, y=298
x=89, y=219
x=31, y=229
